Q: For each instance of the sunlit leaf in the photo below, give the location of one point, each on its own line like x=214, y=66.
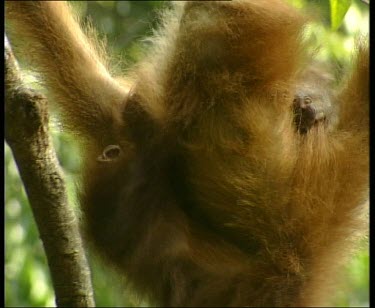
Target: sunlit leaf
x=338, y=11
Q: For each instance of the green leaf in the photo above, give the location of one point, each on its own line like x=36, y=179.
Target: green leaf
x=338, y=11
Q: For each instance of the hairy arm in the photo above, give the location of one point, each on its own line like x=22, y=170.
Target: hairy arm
x=72, y=66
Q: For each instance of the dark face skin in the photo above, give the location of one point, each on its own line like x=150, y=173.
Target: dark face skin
x=310, y=106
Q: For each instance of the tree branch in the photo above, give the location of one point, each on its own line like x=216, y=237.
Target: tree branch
x=26, y=132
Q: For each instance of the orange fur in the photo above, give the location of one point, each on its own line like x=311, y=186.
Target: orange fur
x=216, y=200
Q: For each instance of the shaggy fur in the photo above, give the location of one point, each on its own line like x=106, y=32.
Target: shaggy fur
x=214, y=199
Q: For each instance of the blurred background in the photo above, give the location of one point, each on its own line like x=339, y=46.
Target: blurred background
x=124, y=24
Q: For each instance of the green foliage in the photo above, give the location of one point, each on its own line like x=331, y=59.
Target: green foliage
x=357, y=287
x=125, y=23
x=338, y=11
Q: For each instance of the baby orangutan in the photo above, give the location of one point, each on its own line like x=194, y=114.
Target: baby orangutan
x=311, y=107
x=197, y=184
x=312, y=104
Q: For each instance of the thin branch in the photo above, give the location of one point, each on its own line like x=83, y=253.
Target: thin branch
x=26, y=132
